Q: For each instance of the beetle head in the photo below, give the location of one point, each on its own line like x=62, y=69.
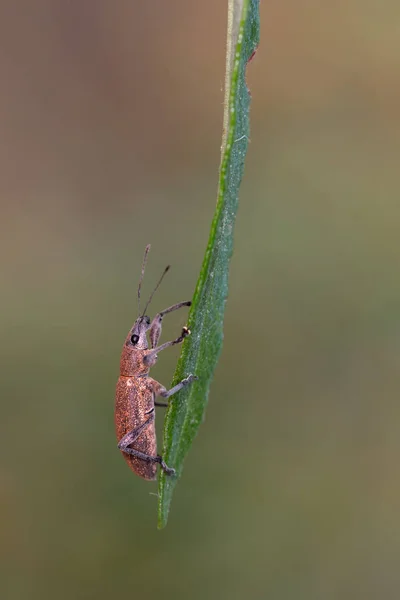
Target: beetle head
x=137, y=336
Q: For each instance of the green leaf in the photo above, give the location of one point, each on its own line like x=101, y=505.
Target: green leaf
x=200, y=351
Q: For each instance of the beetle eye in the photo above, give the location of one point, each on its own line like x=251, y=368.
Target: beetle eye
x=134, y=339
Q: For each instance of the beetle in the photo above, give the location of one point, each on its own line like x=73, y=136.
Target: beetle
x=136, y=391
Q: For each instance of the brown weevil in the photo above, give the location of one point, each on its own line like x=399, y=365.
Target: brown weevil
x=136, y=391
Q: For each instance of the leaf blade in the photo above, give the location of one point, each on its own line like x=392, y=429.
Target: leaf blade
x=200, y=352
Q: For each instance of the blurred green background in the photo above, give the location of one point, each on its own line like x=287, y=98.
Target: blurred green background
x=111, y=117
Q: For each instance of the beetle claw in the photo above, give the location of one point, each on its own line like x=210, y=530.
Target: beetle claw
x=168, y=470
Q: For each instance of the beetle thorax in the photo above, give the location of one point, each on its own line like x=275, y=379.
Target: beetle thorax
x=132, y=362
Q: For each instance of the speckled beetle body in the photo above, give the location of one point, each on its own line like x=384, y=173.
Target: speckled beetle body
x=136, y=390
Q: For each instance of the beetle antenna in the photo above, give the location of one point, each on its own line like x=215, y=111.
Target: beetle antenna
x=167, y=268
x=147, y=250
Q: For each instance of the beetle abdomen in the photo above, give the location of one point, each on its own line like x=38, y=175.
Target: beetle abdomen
x=135, y=406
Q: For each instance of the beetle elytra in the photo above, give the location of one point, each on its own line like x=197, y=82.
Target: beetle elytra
x=136, y=391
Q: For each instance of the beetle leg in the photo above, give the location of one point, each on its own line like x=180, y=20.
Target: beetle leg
x=132, y=436
x=151, y=357
x=155, y=327
x=160, y=390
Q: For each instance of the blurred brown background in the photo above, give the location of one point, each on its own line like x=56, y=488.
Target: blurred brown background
x=111, y=116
